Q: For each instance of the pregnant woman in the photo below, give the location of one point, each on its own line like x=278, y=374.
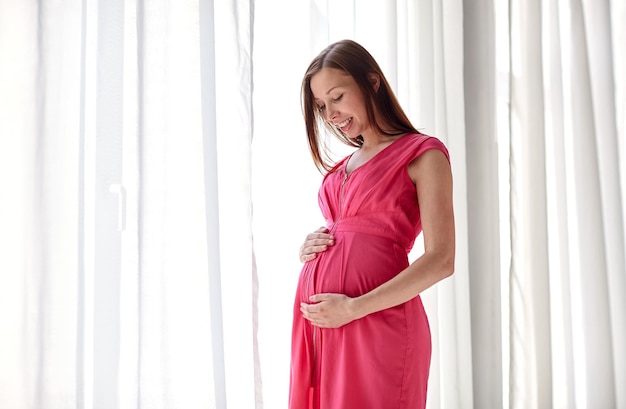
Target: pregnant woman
x=360, y=336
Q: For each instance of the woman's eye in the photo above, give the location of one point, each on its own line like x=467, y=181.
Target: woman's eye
x=321, y=108
x=338, y=98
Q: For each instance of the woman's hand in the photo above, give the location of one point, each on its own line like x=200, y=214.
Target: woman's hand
x=314, y=243
x=329, y=310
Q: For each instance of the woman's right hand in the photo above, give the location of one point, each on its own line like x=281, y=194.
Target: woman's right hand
x=316, y=242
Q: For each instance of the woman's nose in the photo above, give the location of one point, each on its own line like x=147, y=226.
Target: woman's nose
x=330, y=113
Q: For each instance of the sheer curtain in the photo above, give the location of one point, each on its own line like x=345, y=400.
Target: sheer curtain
x=156, y=186
x=126, y=266
x=567, y=205
x=545, y=111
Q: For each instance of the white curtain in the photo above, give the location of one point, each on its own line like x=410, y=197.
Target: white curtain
x=544, y=103
x=126, y=269
x=568, y=265
x=155, y=186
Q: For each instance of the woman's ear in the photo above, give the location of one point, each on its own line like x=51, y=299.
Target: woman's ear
x=374, y=80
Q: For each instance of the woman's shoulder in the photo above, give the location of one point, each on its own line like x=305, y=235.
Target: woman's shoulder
x=417, y=143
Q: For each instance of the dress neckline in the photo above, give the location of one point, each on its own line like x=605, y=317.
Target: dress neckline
x=377, y=154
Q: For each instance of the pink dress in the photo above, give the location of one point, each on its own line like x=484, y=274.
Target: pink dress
x=380, y=361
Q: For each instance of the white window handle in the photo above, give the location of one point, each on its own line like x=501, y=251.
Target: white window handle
x=121, y=205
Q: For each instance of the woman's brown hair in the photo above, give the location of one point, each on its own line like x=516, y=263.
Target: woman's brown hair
x=351, y=58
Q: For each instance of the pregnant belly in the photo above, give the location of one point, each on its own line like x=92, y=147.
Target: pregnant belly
x=357, y=263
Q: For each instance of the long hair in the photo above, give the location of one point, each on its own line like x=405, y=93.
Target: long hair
x=351, y=58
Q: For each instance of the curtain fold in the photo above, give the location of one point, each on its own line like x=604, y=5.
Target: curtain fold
x=209, y=145
x=39, y=203
x=484, y=234
x=233, y=25
x=529, y=333
x=603, y=80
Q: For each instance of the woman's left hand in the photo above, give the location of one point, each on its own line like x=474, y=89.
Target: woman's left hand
x=329, y=310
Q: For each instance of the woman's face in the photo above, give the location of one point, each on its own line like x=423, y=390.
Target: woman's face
x=340, y=101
